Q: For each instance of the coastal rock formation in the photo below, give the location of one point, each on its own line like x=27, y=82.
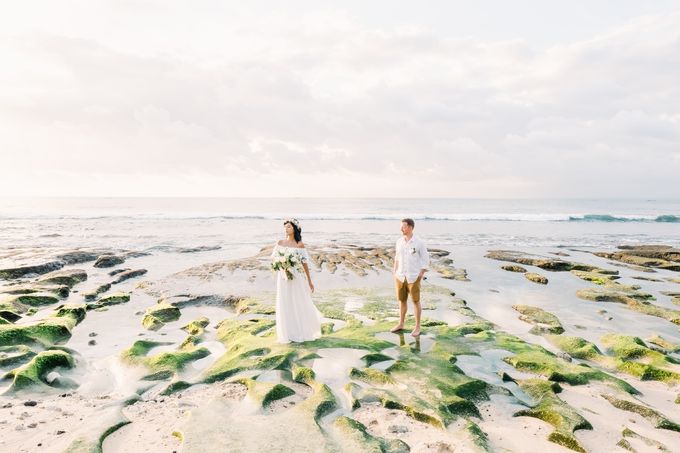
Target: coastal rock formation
x=651, y=256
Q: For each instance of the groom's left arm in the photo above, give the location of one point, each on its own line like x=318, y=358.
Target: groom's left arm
x=424, y=259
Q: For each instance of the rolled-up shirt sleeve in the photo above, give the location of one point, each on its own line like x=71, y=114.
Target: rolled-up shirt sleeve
x=424, y=256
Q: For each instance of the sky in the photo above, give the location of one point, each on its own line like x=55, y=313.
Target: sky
x=486, y=99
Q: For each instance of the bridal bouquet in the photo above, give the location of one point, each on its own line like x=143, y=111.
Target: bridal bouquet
x=287, y=262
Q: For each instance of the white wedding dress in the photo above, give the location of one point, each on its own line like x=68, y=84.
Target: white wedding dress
x=297, y=318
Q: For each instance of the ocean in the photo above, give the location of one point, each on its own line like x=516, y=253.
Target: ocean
x=148, y=223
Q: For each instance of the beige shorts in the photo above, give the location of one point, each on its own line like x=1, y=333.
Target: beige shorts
x=404, y=289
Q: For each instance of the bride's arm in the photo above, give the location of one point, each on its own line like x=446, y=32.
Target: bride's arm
x=305, y=267
x=309, y=279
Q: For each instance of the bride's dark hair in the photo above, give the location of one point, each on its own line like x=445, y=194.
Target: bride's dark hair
x=297, y=231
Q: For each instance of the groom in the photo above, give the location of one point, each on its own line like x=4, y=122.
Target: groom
x=410, y=263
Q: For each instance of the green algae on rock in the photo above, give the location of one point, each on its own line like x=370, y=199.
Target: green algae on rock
x=15, y=355
x=18, y=272
x=355, y=437
x=546, y=263
x=631, y=298
x=93, y=293
x=197, y=326
x=128, y=274
x=575, y=346
x=537, y=360
x=513, y=268
x=651, y=256
x=68, y=277
x=536, y=278
x=658, y=419
x=20, y=303
x=108, y=420
x=630, y=434
x=264, y=393
x=108, y=300
x=595, y=277
x=34, y=372
x=662, y=343
x=156, y=316
x=551, y=409
x=173, y=361
x=52, y=330
x=371, y=376
x=108, y=261
x=543, y=321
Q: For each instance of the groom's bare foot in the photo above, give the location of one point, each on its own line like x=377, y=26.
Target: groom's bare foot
x=415, y=333
x=397, y=328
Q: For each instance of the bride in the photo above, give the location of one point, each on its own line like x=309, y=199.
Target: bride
x=297, y=318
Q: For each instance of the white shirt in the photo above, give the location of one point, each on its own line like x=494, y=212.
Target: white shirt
x=412, y=256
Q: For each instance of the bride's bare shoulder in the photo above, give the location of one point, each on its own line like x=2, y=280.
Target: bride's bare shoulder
x=300, y=245
x=279, y=242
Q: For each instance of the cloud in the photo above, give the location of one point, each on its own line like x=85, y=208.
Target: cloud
x=242, y=103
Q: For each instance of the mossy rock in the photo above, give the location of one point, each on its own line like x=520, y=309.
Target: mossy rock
x=15, y=355
x=479, y=437
x=197, y=326
x=653, y=256
x=662, y=343
x=628, y=348
x=513, y=268
x=320, y=403
x=254, y=306
x=150, y=322
x=658, y=419
x=159, y=314
x=18, y=272
x=173, y=361
x=9, y=316
x=21, y=302
x=545, y=322
x=371, y=376
x=108, y=261
x=355, y=437
x=549, y=408
x=76, y=312
x=108, y=300
x=575, y=346
x=265, y=393
x=49, y=331
x=303, y=374
x=546, y=263
x=536, y=278
x=108, y=420
x=61, y=291
x=375, y=357
x=175, y=387
x=595, y=277
x=177, y=360
x=68, y=277
x=629, y=433
x=158, y=376
x=249, y=349
x=535, y=359
x=631, y=298
x=128, y=274
x=34, y=372
x=140, y=348
x=93, y=293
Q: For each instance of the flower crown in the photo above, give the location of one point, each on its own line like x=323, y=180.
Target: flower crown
x=293, y=222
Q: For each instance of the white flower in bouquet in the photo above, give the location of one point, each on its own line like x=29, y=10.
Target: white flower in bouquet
x=289, y=262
